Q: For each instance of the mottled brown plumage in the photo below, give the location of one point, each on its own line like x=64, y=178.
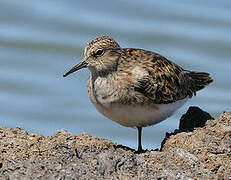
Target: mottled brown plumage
x=166, y=82
x=135, y=87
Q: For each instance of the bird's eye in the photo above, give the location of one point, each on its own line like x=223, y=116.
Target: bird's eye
x=99, y=52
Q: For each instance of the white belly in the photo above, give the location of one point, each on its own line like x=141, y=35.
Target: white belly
x=105, y=98
x=137, y=115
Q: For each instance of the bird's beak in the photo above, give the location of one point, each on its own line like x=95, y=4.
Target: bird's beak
x=80, y=65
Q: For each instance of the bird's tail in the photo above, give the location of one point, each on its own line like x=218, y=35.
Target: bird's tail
x=200, y=79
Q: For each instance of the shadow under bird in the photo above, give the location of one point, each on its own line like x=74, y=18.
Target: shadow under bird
x=135, y=87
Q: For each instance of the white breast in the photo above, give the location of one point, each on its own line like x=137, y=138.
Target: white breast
x=128, y=115
x=142, y=116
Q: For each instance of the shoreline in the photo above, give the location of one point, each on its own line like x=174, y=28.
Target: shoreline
x=200, y=148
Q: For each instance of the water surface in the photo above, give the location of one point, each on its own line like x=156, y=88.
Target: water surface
x=40, y=40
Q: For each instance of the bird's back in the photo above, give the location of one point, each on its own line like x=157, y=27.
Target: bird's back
x=159, y=79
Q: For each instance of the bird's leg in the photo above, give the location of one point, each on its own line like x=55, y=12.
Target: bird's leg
x=139, y=139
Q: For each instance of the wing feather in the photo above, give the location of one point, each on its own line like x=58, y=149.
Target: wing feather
x=165, y=83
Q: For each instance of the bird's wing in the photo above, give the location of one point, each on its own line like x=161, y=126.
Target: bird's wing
x=165, y=81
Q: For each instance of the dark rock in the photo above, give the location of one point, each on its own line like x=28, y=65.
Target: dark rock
x=193, y=118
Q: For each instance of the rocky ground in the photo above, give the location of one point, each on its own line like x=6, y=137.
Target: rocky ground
x=199, y=149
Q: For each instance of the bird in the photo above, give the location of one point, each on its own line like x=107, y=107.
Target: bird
x=136, y=87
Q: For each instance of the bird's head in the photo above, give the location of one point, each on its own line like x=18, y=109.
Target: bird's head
x=101, y=56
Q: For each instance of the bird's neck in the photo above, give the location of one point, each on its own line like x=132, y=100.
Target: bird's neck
x=103, y=73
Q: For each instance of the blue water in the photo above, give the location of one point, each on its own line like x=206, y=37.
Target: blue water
x=40, y=40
